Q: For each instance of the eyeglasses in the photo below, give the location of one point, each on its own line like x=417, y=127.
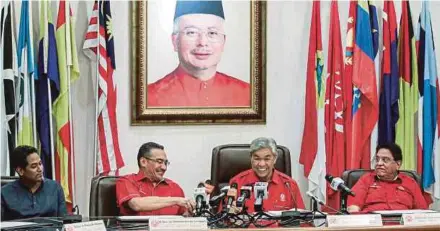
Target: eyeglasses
x=385, y=160
x=195, y=33
x=159, y=161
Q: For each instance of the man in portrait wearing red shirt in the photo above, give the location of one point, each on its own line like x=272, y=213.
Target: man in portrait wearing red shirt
x=199, y=39
x=148, y=192
x=283, y=191
x=386, y=188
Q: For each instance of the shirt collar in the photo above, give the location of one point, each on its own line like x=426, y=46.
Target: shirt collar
x=140, y=176
x=397, y=179
x=20, y=184
x=190, y=82
x=275, y=177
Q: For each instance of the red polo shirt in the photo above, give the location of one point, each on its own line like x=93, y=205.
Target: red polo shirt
x=281, y=191
x=138, y=185
x=373, y=194
x=180, y=89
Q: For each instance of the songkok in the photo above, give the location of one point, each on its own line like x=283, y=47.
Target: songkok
x=184, y=7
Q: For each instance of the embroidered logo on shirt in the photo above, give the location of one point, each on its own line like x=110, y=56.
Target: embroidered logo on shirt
x=282, y=197
x=374, y=185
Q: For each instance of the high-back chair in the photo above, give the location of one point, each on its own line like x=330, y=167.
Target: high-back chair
x=103, y=197
x=230, y=159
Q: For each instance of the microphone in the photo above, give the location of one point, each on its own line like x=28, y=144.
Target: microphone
x=216, y=199
x=72, y=218
x=209, y=187
x=291, y=217
x=245, y=193
x=232, y=195
x=323, y=204
x=337, y=184
x=292, y=195
x=260, y=192
x=200, y=196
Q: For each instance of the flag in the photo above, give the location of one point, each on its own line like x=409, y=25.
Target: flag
x=48, y=72
x=26, y=66
x=408, y=90
x=365, y=104
x=313, y=142
x=4, y=158
x=109, y=157
x=429, y=111
x=374, y=23
x=68, y=72
x=389, y=93
x=334, y=105
x=9, y=77
x=348, y=81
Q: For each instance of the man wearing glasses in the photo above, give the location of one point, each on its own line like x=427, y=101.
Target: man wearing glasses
x=199, y=39
x=148, y=192
x=283, y=191
x=386, y=188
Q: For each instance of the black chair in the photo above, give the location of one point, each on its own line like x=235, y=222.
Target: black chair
x=8, y=179
x=230, y=159
x=103, y=197
x=350, y=178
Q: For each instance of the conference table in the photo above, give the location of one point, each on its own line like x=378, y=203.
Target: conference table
x=113, y=223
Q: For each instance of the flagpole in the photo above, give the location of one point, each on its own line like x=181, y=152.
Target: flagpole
x=51, y=129
x=32, y=79
x=46, y=44
x=14, y=70
x=95, y=139
x=72, y=163
x=69, y=65
x=34, y=117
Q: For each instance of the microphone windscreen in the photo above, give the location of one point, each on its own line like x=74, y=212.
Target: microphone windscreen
x=329, y=178
x=225, y=189
x=232, y=192
x=209, y=187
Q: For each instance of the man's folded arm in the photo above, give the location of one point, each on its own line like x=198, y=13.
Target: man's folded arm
x=152, y=203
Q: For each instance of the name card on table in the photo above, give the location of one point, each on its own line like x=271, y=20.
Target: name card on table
x=361, y=220
x=85, y=226
x=421, y=219
x=189, y=223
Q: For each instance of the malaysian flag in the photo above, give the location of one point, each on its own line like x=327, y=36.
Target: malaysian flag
x=109, y=157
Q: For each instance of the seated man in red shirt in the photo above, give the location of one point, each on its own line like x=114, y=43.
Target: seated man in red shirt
x=283, y=192
x=386, y=188
x=148, y=192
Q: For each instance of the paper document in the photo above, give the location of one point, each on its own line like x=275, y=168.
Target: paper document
x=143, y=218
x=385, y=212
x=15, y=224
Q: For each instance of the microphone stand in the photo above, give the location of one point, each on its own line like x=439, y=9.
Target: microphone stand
x=344, y=202
x=261, y=215
x=316, y=209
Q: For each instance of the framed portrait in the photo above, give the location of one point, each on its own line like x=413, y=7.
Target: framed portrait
x=198, y=62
